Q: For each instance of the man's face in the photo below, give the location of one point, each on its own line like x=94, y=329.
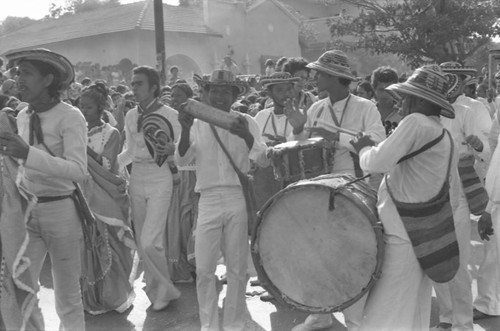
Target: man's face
x=381, y=94
x=324, y=81
x=177, y=97
x=141, y=89
x=32, y=85
x=280, y=92
x=303, y=75
x=221, y=97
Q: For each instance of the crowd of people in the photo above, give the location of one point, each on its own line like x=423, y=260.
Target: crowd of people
x=103, y=172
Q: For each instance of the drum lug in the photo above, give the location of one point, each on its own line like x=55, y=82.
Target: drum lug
x=331, y=200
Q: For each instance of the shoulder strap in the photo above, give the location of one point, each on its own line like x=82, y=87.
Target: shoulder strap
x=423, y=148
x=238, y=171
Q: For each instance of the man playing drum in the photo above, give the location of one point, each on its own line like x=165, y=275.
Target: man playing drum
x=420, y=164
x=343, y=110
x=222, y=213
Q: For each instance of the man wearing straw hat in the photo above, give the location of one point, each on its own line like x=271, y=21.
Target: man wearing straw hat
x=330, y=118
x=483, y=118
x=52, y=143
x=340, y=110
x=417, y=194
x=222, y=209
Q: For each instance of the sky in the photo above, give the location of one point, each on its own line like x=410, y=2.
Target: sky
x=37, y=9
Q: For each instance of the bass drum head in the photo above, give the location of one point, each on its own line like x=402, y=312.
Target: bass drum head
x=316, y=249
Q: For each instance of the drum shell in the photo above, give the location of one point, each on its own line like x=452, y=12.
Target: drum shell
x=296, y=160
x=285, y=277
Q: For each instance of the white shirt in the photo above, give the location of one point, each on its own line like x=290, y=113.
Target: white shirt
x=273, y=124
x=213, y=168
x=65, y=133
x=360, y=115
x=463, y=125
x=417, y=179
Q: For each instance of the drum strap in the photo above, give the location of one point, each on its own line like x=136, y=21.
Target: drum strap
x=246, y=185
x=276, y=137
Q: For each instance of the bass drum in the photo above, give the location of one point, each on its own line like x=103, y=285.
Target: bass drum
x=318, y=244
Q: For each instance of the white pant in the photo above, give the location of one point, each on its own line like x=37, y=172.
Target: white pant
x=222, y=223
x=455, y=297
x=150, y=193
x=488, y=279
x=55, y=228
x=401, y=298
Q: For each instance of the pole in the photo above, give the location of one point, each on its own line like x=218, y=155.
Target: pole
x=160, y=40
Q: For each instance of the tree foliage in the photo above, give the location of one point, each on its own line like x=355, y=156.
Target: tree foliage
x=420, y=31
x=11, y=24
x=79, y=6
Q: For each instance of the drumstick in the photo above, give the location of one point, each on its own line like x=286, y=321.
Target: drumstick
x=339, y=129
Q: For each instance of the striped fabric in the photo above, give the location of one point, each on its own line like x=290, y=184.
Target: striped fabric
x=431, y=228
x=476, y=194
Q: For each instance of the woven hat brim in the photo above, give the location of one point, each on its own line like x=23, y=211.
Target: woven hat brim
x=269, y=82
x=59, y=62
x=468, y=73
x=426, y=94
x=319, y=67
x=243, y=88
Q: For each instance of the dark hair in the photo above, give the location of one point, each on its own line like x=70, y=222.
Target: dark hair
x=153, y=77
x=121, y=89
x=280, y=62
x=54, y=89
x=99, y=93
x=365, y=85
x=85, y=81
x=184, y=87
x=295, y=64
x=269, y=63
x=384, y=75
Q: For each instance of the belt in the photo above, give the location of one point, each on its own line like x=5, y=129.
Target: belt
x=51, y=199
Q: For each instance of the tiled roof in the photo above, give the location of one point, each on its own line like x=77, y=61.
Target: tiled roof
x=138, y=15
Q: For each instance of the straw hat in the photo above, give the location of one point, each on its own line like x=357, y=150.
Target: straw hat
x=57, y=61
x=455, y=86
x=456, y=68
x=222, y=78
x=278, y=78
x=334, y=63
x=428, y=84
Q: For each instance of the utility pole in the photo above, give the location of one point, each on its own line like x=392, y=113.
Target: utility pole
x=160, y=40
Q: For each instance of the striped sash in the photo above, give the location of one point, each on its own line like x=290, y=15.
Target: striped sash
x=476, y=194
x=431, y=228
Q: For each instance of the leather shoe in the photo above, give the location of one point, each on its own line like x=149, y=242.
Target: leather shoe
x=441, y=327
x=315, y=322
x=266, y=297
x=160, y=305
x=479, y=315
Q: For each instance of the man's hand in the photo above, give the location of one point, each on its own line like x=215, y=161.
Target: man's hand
x=240, y=128
x=185, y=120
x=13, y=145
x=295, y=116
x=361, y=142
x=485, y=226
x=474, y=142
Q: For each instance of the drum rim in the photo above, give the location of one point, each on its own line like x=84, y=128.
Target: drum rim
x=274, y=290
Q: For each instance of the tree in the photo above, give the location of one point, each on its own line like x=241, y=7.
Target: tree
x=420, y=31
x=71, y=7
x=11, y=24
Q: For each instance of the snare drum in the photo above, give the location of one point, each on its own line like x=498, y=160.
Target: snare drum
x=296, y=160
x=318, y=244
